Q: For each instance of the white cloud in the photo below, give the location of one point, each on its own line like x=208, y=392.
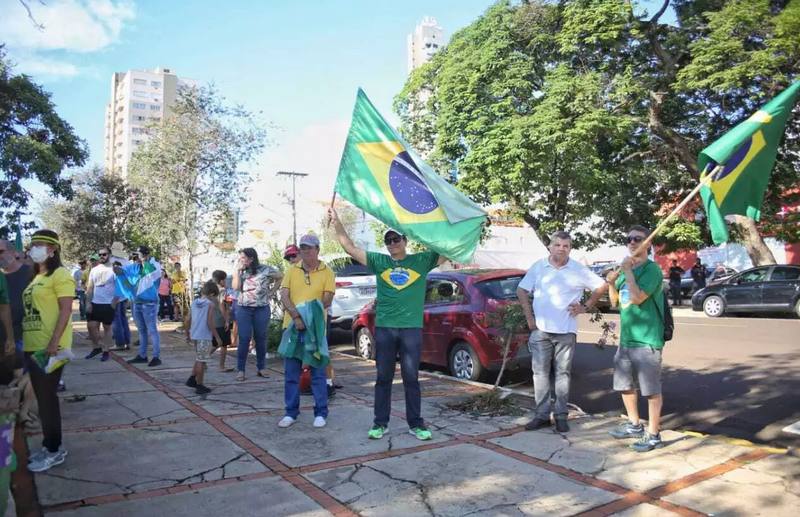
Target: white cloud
x=73, y=25
x=45, y=68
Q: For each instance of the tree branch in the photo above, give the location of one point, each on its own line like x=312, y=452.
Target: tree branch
x=660, y=12
x=36, y=24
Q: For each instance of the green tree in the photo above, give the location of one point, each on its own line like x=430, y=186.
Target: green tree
x=586, y=116
x=189, y=171
x=104, y=209
x=35, y=144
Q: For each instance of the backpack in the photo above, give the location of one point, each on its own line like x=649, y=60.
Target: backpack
x=669, y=323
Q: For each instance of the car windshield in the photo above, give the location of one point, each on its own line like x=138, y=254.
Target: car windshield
x=500, y=288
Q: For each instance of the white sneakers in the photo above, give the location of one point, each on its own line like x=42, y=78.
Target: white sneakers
x=287, y=421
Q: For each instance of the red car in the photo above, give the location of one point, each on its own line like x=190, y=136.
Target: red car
x=460, y=331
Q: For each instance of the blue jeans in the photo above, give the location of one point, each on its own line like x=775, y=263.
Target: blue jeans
x=291, y=388
x=120, y=328
x=252, y=323
x=146, y=317
x=388, y=342
x=81, y=303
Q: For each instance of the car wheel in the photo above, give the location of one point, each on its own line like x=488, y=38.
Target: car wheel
x=365, y=343
x=464, y=363
x=714, y=306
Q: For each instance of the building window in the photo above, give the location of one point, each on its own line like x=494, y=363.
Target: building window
x=155, y=84
x=139, y=81
x=139, y=118
x=155, y=107
x=139, y=105
x=137, y=93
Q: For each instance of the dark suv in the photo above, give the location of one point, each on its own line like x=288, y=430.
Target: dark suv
x=760, y=289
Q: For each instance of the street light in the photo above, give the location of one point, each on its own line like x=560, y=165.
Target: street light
x=294, y=176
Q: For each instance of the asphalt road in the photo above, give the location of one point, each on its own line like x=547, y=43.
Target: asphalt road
x=735, y=376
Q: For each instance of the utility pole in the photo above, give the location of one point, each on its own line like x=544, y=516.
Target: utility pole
x=294, y=176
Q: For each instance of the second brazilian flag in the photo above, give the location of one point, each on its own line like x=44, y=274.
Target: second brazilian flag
x=383, y=176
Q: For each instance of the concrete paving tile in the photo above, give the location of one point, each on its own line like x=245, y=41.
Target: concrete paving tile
x=123, y=461
x=120, y=408
x=93, y=383
x=271, y=496
x=344, y=436
x=590, y=450
x=767, y=487
x=459, y=480
x=645, y=510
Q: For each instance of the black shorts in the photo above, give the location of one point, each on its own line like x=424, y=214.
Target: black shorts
x=225, y=335
x=102, y=312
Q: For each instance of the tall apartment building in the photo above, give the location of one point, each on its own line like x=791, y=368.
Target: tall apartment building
x=138, y=98
x=426, y=39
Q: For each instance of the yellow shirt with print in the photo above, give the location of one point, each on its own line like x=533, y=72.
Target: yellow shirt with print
x=178, y=282
x=40, y=302
x=304, y=287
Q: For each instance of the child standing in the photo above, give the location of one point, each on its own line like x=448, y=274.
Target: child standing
x=201, y=330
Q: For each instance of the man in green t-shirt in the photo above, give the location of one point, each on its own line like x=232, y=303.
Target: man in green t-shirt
x=401, y=279
x=638, y=288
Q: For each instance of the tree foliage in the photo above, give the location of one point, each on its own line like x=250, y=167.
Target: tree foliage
x=189, y=171
x=583, y=115
x=104, y=209
x=35, y=144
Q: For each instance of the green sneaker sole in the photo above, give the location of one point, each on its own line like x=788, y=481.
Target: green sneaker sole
x=421, y=435
x=376, y=435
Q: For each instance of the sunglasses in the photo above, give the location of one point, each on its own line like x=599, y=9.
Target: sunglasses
x=633, y=238
x=305, y=247
x=102, y=254
x=290, y=257
x=392, y=240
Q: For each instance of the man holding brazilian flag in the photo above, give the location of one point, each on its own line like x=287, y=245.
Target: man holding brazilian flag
x=383, y=176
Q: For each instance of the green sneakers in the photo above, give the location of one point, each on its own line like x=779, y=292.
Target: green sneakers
x=377, y=432
x=421, y=433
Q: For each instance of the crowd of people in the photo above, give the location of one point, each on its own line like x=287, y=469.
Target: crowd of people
x=37, y=293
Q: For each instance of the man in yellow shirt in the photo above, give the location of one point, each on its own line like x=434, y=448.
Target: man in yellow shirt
x=310, y=279
x=179, y=300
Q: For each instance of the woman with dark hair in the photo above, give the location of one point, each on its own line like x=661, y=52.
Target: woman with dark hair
x=256, y=283
x=45, y=327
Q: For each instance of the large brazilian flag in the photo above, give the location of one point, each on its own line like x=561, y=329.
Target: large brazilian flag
x=747, y=153
x=383, y=176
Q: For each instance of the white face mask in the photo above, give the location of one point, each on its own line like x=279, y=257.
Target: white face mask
x=38, y=254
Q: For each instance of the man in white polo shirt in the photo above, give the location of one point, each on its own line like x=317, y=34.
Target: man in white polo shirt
x=557, y=284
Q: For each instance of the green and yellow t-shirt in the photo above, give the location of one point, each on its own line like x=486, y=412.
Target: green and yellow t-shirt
x=40, y=301
x=401, y=288
x=179, y=282
x=643, y=324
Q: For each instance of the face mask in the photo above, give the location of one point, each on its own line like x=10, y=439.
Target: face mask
x=38, y=254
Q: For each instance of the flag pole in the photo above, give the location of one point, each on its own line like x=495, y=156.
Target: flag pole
x=706, y=180
x=333, y=200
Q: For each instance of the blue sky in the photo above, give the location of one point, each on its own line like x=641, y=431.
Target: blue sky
x=299, y=63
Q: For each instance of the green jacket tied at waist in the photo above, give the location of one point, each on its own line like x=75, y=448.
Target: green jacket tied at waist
x=312, y=347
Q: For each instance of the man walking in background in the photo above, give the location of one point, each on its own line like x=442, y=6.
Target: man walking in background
x=80, y=287
x=100, y=294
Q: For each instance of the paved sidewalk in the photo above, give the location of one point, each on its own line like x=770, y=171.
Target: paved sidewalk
x=141, y=443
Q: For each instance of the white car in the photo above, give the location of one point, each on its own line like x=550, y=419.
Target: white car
x=355, y=287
